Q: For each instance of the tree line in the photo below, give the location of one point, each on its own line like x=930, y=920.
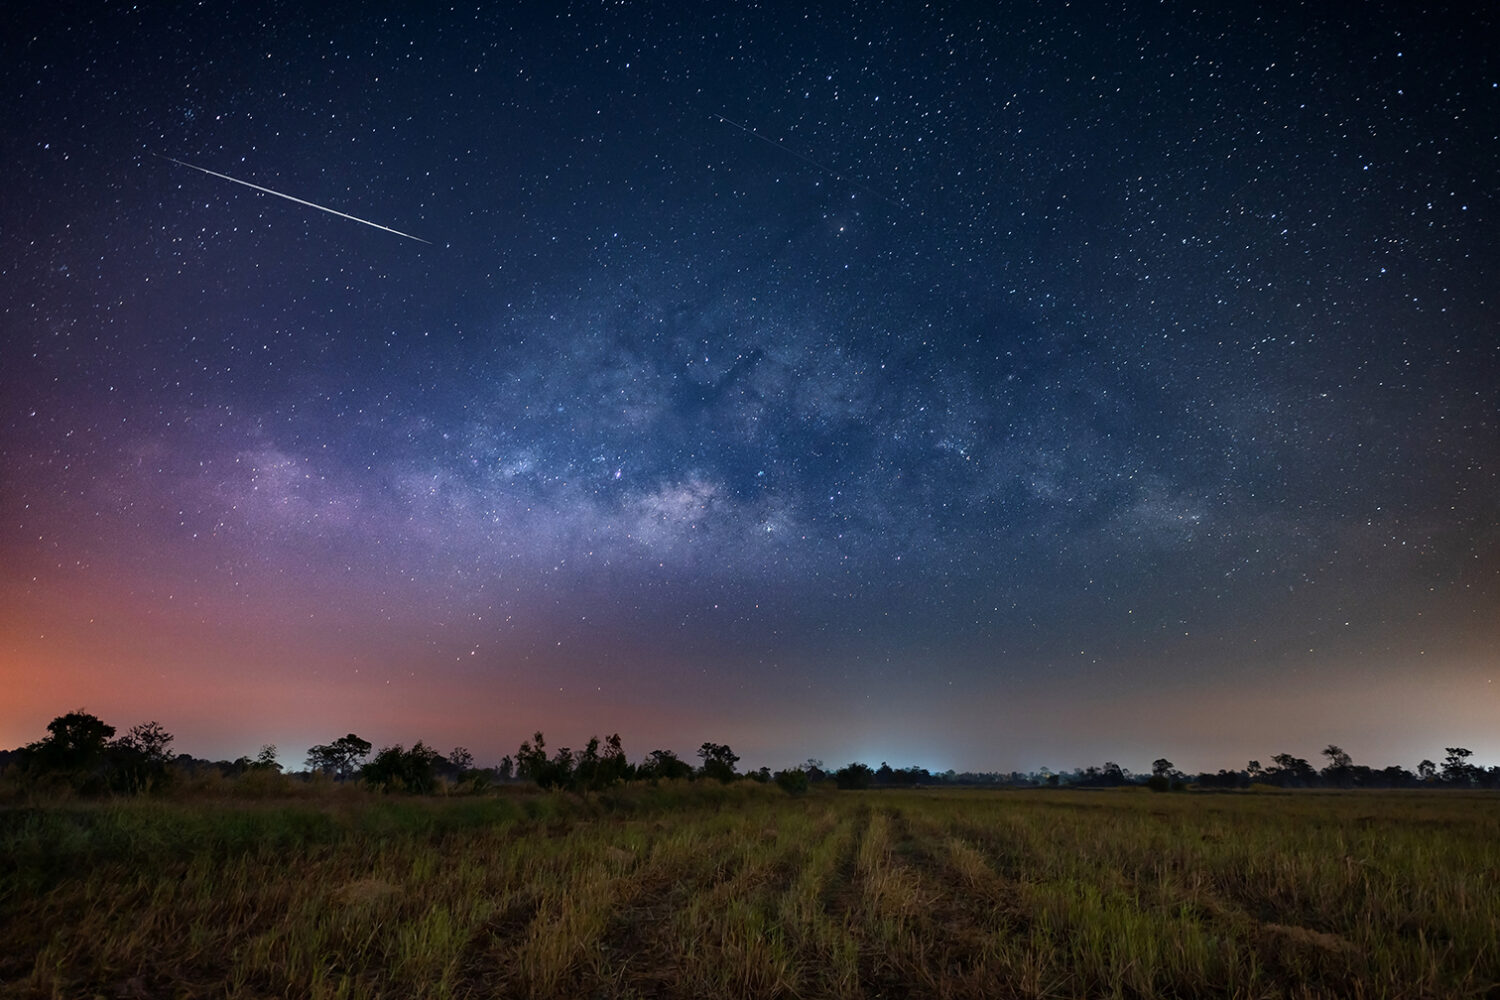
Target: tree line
x=82, y=753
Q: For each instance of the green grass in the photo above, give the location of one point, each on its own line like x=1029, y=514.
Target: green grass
x=704, y=890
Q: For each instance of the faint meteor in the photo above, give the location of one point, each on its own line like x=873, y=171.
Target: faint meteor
x=309, y=204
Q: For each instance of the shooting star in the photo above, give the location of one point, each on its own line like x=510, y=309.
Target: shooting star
x=309, y=204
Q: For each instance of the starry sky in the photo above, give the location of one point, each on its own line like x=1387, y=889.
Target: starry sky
x=985, y=386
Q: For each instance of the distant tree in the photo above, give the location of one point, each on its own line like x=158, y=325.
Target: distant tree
x=718, y=762
x=1291, y=771
x=601, y=764
x=1426, y=770
x=1223, y=779
x=76, y=741
x=138, y=760
x=461, y=759
x=531, y=759
x=854, y=776
x=664, y=765
x=1456, y=767
x=815, y=770
x=533, y=764
x=586, y=770
x=561, y=767
x=1340, y=766
x=74, y=753
x=1337, y=758
x=341, y=758
x=398, y=770
x=506, y=771
x=793, y=781
x=1254, y=771
x=266, y=759
x=614, y=766
x=1396, y=776
x=149, y=740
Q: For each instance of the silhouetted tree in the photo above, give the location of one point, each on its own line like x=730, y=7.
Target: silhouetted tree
x=75, y=742
x=266, y=759
x=664, y=765
x=614, y=767
x=1426, y=770
x=398, y=770
x=854, y=776
x=531, y=760
x=601, y=765
x=461, y=759
x=718, y=762
x=1340, y=766
x=341, y=757
x=138, y=760
x=1291, y=771
x=73, y=753
x=1456, y=767
x=1396, y=776
x=1162, y=773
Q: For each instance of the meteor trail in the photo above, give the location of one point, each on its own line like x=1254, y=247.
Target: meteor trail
x=309, y=204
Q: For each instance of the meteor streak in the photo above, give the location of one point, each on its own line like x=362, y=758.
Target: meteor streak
x=309, y=204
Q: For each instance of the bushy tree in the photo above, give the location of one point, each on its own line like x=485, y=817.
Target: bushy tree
x=854, y=776
x=397, y=770
x=532, y=763
x=558, y=772
x=1456, y=767
x=1291, y=771
x=1340, y=768
x=793, y=781
x=613, y=767
x=81, y=753
x=718, y=762
x=266, y=759
x=75, y=748
x=341, y=758
x=138, y=760
x=664, y=765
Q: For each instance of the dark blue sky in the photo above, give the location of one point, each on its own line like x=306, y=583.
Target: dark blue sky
x=970, y=386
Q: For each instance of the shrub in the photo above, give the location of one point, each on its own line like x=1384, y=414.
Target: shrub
x=793, y=781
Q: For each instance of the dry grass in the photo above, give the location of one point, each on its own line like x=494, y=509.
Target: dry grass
x=701, y=891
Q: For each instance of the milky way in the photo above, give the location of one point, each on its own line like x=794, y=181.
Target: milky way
x=1002, y=388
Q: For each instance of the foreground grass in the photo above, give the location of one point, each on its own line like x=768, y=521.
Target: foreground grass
x=709, y=891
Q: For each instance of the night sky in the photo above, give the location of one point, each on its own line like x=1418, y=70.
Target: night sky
x=984, y=386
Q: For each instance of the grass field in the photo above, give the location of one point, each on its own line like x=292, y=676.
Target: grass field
x=714, y=891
